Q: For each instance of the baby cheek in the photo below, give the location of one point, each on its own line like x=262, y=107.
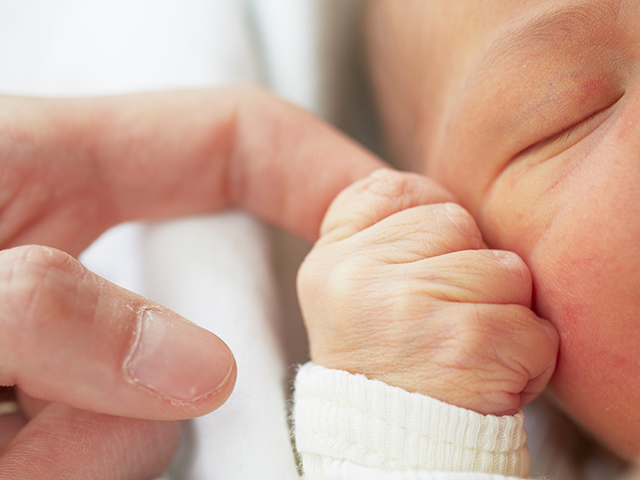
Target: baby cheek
x=586, y=288
x=579, y=236
x=586, y=270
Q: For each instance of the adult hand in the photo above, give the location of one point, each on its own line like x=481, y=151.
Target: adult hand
x=70, y=169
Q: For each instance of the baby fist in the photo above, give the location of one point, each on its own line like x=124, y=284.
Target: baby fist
x=400, y=288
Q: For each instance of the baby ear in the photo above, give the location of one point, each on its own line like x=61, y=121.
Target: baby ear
x=376, y=197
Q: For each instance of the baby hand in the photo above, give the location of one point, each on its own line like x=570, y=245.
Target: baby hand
x=400, y=288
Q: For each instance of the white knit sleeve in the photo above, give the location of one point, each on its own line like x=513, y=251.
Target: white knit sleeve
x=348, y=427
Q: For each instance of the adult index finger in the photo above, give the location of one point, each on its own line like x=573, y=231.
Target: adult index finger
x=70, y=336
x=73, y=168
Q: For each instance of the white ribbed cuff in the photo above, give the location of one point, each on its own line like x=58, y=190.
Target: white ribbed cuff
x=344, y=416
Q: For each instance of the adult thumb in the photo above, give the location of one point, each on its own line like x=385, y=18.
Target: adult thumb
x=69, y=336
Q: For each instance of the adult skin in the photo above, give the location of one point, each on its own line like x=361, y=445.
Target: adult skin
x=69, y=170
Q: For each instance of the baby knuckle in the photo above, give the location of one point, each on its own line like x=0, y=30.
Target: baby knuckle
x=387, y=183
x=308, y=273
x=330, y=291
x=315, y=269
x=539, y=333
x=514, y=264
x=474, y=333
x=461, y=221
x=411, y=300
x=346, y=278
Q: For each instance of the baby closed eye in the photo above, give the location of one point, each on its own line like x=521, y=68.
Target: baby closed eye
x=567, y=137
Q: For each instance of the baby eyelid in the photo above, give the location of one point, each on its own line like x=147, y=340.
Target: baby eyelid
x=583, y=127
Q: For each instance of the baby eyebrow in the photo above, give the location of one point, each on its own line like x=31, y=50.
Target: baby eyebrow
x=593, y=21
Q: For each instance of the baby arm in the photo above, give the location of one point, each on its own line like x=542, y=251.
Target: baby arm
x=401, y=288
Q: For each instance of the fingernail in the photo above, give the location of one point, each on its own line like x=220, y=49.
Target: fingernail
x=178, y=359
x=464, y=222
x=512, y=262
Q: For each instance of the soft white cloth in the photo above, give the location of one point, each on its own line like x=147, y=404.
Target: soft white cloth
x=349, y=427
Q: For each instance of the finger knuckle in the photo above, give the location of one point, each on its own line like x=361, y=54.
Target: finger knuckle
x=329, y=286
x=36, y=262
x=366, y=202
x=387, y=183
x=39, y=256
x=36, y=281
x=346, y=279
x=473, y=335
x=434, y=229
x=458, y=220
x=411, y=301
x=309, y=276
x=514, y=265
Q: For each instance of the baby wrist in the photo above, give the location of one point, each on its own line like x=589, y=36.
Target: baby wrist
x=340, y=416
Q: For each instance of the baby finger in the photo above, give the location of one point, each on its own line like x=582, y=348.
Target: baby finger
x=474, y=276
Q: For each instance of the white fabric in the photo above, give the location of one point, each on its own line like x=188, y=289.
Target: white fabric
x=233, y=295
x=98, y=47
x=348, y=423
x=345, y=470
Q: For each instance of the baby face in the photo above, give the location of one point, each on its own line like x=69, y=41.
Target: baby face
x=529, y=112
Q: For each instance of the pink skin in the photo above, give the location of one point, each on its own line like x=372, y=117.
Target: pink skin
x=586, y=271
x=569, y=205
x=71, y=168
